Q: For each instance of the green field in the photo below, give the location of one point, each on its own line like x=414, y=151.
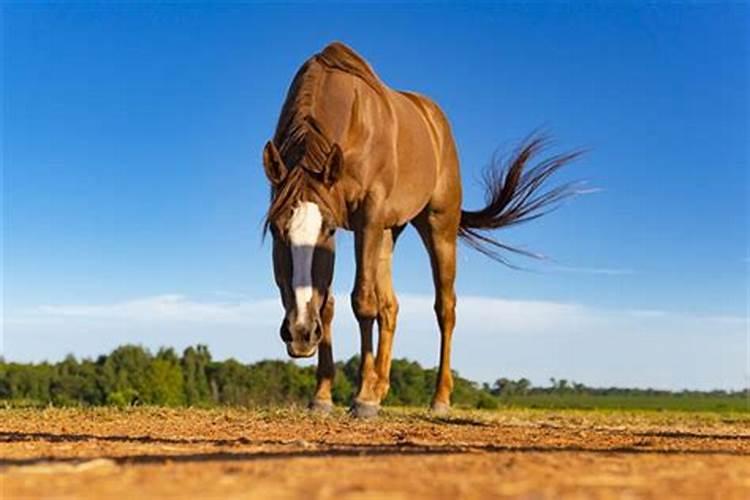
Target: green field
x=673, y=402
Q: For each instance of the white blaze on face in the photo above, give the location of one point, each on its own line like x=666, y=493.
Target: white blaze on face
x=304, y=229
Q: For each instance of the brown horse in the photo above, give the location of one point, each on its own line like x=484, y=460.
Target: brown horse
x=351, y=153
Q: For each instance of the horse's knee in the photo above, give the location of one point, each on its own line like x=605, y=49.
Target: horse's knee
x=388, y=311
x=365, y=302
x=445, y=310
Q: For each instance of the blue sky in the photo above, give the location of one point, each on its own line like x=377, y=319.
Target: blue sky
x=133, y=190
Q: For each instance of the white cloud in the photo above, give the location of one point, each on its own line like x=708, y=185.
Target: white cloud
x=168, y=307
x=608, y=271
x=494, y=337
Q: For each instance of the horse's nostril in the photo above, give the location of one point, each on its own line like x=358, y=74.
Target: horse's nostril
x=286, y=336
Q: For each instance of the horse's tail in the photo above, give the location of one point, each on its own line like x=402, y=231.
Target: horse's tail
x=515, y=193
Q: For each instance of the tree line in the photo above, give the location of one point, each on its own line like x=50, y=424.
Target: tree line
x=133, y=375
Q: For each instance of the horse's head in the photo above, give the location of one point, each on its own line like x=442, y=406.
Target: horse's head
x=303, y=257
x=303, y=230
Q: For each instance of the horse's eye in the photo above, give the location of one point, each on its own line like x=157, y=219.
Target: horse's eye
x=331, y=232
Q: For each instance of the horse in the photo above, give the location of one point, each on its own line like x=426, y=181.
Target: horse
x=351, y=153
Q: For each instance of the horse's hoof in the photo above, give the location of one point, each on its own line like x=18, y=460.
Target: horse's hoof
x=440, y=409
x=364, y=410
x=321, y=406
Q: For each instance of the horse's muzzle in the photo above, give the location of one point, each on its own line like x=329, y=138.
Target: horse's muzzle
x=302, y=340
x=295, y=350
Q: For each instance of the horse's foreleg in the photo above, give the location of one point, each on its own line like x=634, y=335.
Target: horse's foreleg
x=367, y=244
x=387, y=312
x=326, y=369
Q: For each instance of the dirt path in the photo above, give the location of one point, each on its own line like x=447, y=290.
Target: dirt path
x=404, y=454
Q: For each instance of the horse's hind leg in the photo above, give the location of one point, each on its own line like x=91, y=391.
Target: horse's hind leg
x=322, y=401
x=439, y=230
x=387, y=311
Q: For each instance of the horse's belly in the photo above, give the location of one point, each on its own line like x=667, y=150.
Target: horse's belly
x=412, y=191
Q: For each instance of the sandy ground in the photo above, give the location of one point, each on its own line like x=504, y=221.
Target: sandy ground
x=143, y=453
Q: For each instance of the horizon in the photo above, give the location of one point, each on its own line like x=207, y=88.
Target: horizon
x=479, y=383
x=133, y=191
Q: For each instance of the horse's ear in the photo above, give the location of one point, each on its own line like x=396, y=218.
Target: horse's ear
x=275, y=169
x=334, y=164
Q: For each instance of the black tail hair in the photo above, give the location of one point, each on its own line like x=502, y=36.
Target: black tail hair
x=515, y=194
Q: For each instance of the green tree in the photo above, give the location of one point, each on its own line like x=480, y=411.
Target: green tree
x=126, y=373
x=75, y=383
x=195, y=362
x=411, y=385
x=231, y=381
x=165, y=380
x=343, y=388
x=523, y=386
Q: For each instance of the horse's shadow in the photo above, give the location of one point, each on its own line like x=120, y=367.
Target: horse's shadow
x=15, y=437
x=316, y=449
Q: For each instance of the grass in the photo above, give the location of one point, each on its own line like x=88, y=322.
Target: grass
x=674, y=402
x=736, y=403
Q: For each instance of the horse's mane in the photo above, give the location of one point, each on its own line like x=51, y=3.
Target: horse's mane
x=300, y=138
x=343, y=58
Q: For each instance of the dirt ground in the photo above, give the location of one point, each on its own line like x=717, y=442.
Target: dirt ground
x=152, y=452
